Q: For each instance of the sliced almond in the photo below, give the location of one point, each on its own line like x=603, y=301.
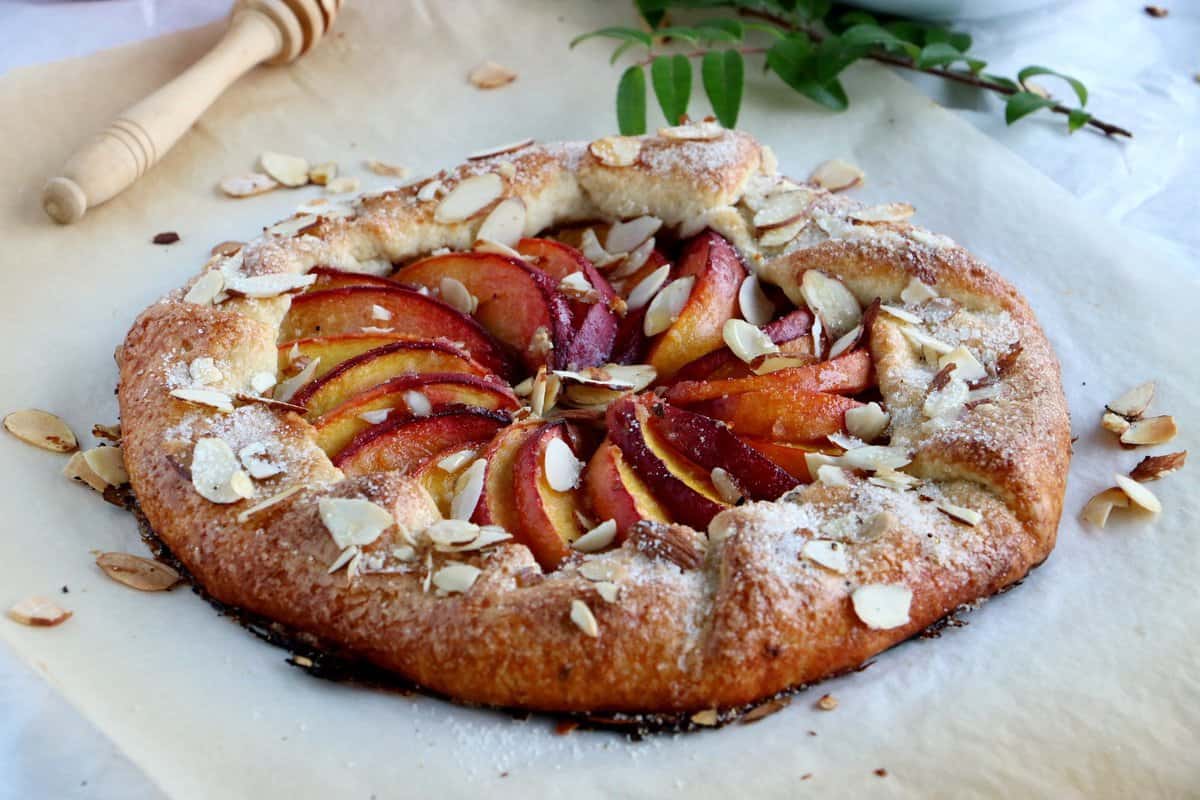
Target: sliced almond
x=561, y=466
x=845, y=342
x=456, y=578
x=577, y=287
x=108, y=463
x=77, y=469
x=756, y=308
x=39, y=612
x=647, y=288
x=1134, y=402
x=1114, y=423
x=783, y=234
x=500, y=149
x=262, y=286
x=1150, y=431
x=867, y=422
x=257, y=462
x=594, y=252
x=505, y=224
x=1151, y=468
x=41, y=429
x=1139, y=494
x=635, y=260
x=584, y=619
x=783, y=209
x=607, y=590
x=726, y=487
x=917, y=292
x=948, y=401
x=488, y=535
x=344, y=185
x=248, y=185
x=830, y=299
x=204, y=371
x=923, y=341
x=215, y=470
x=765, y=365
x=429, y=190
x=836, y=175
x=828, y=553
x=110, y=433
x=707, y=718
x=601, y=569
x=289, y=387
x=882, y=606
x=490, y=75
x=624, y=237
x=288, y=170
x=467, y=490
x=448, y=532
x=1100, y=506
x=322, y=174
x=263, y=505
x=469, y=197
x=832, y=475
x=206, y=289
x=352, y=521
x=455, y=293
x=667, y=305
x=500, y=249
x=456, y=461
x=888, y=212
x=967, y=367
x=386, y=170
x=875, y=457
x=291, y=226
x=418, y=403
x=616, y=151
x=541, y=344
x=746, y=341
x=693, y=131
x=901, y=314
x=205, y=397
x=596, y=539
x=960, y=513
x=136, y=572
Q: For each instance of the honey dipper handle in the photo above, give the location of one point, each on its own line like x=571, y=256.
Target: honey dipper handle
x=113, y=159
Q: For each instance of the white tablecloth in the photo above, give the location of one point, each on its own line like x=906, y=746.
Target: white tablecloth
x=1141, y=74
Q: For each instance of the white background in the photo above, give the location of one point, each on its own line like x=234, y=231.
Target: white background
x=1140, y=71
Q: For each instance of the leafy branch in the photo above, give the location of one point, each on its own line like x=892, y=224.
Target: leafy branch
x=807, y=44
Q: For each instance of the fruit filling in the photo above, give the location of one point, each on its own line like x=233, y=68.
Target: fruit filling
x=565, y=390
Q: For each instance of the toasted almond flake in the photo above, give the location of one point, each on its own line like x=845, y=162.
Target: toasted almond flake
x=347, y=556
x=818, y=336
x=576, y=286
x=111, y=433
x=693, y=131
x=469, y=197
x=385, y=169
x=261, y=286
x=1114, y=423
x=726, y=487
x=490, y=75
x=961, y=513
x=607, y=590
x=836, y=175
x=667, y=305
x=1150, y=431
x=541, y=344
x=947, y=402
x=828, y=553
x=746, y=341
x=205, y=290
x=214, y=467
x=879, y=524
x=204, y=371
x=967, y=367
x=647, y=288
x=549, y=395
x=924, y=342
x=830, y=299
x=263, y=505
x=108, y=463
x=827, y=702
x=380, y=313
x=765, y=365
x=888, y=212
x=917, y=292
x=507, y=170
x=136, y=572
x=322, y=174
x=467, y=490
x=505, y=224
x=753, y=303
x=289, y=387
x=38, y=612
x=624, y=237
x=584, y=619
x=706, y=718
x=404, y=553
x=882, y=606
x=257, y=462
x=500, y=249
x=616, y=151
x=1134, y=403
x=831, y=475
x=784, y=209
x=875, y=457
x=456, y=578
x=524, y=388
x=449, y=532
x=288, y=170
x=342, y=185
x=867, y=422
x=456, y=461
x=781, y=235
x=600, y=570
x=845, y=342
x=1100, y=506
x=488, y=535
x=418, y=404
x=353, y=521
x=815, y=460
x=635, y=260
x=561, y=466
x=41, y=429
x=1151, y=468
x=635, y=376
x=901, y=314
x=77, y=469
x=291, y=227
x=226, y=248
x=429, y=190
x=897, y=481
x=594, y=252
x=455, y=293
x=248, y=185
x=1139, y=494
x=205, y=397
x=596, y=539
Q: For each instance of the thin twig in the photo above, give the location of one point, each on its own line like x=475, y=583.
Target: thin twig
x=967, y=78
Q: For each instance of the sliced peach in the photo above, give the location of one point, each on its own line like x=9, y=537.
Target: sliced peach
x=404, y=443
x=684, y=488
x=330, y=278
x=698, y=330
x=791, y=457
x=653, y=261
x=794, y=417
x=548, y=523
x=440, y=483
x=616, y=492
x=334, y=312
x=515, y=300
x=847, y=374
x=338, y=426
x=496, y=505
x=376, y=366
x=790, y=332
x=333, y=350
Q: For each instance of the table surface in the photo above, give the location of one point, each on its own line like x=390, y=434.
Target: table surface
x=1143, y=73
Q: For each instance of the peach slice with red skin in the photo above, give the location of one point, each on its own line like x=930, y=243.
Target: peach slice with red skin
x=373, y=367
x=404, y=443
x=333, y=350
x=710, y=444
x=337, y=427
x=699, y=329
x=348, y=310
x=440, y=483
x=796, y=416
x=547, y=521
x=682, y=487
x=496, y=505
x=790, y=332
x=790, y=457
x=515, y=300
x=330, y=278
x=847, y=374
x=616, y=492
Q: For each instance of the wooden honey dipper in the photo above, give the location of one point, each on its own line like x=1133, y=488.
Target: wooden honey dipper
x=272, y=31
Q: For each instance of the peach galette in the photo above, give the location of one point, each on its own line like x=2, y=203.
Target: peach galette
x=634, y=425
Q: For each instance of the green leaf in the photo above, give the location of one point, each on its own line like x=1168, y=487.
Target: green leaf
x=832, y=56
x=620, y=51
x=1080, y=89
x=856, y=18
x=875, y=36
x=908, y=31
x=616, y=32
x=723, y=73
x=652, y=11
x=767, y=28
x=1077, y=119
x=794, y=60
x=1007, y=83
x=940, y=54
x=1022, y=104
x=721, y=30
x=686, y=34
x=959, y=41
x=672, y=79
x=631, y=102
x=814, y=10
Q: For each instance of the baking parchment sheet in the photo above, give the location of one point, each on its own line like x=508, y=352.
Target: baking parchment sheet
x=1082, y=682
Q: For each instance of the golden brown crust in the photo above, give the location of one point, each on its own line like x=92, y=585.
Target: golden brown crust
x=754, y=618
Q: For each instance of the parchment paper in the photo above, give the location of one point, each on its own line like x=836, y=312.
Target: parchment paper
x=1082, y=682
